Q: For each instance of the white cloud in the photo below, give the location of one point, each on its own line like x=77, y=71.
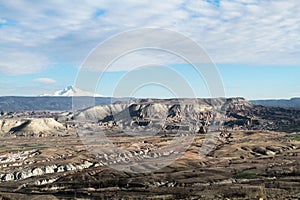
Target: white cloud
x=44, y=80
x=16, y=63
x=235, y=31
x=2, y=21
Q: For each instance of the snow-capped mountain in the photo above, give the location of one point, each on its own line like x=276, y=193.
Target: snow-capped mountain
x=70, y=91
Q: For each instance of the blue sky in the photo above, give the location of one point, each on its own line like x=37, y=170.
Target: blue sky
x=254, y=44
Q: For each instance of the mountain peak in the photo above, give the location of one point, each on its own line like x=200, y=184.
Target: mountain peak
x=70, y=91
x=66, y=91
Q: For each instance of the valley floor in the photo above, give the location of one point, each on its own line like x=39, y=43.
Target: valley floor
x=242, y=165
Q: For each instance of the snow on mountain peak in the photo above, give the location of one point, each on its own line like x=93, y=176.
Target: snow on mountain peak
x=70, y=91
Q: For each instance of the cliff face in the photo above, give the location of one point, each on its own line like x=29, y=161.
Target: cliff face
x=196, y=115
x=157, y=116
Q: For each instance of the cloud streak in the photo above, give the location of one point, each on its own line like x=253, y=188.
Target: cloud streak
x=19, y=63
x=237, y=31
x=44, y=80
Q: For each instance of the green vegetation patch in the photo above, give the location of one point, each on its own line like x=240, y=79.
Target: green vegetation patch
x=22, y=147
x=295, y=136
x=247, y=175
x=3, y=148
x=35, y=146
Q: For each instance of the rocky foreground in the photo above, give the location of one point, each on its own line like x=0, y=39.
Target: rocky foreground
x=243, y=165
x=251, y=152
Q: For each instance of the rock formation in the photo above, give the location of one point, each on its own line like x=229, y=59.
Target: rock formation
x=31, y=127
x=198, y=115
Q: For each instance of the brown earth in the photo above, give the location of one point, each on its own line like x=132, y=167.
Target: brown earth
x=248, y=151
x=243, y=165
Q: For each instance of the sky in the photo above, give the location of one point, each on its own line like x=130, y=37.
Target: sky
x=254, y=44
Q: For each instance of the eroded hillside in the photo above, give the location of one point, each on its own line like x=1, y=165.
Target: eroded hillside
x=235, y=150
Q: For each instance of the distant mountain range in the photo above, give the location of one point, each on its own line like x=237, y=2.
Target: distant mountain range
x=62, y=100
x=292, y=103
x=54, y=103
x=70, y=91
x=58, y=101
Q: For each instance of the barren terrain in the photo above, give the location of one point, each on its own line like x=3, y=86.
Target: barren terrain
x=246, y=156
x=244, y=165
